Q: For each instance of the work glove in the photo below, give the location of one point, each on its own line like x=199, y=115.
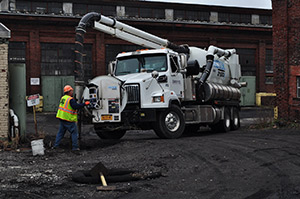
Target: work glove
x=86, y=103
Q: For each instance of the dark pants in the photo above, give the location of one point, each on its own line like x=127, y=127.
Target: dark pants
x=72, y=128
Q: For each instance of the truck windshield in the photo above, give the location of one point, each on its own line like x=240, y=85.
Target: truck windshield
x=141, y=63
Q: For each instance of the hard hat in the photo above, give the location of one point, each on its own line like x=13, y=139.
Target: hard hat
x=67, y=88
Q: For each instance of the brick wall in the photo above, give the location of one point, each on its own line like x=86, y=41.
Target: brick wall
x=4, y=92
x=286, y=53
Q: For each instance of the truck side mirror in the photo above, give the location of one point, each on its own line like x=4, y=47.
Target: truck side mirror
x=111, y=67
x=183, y=61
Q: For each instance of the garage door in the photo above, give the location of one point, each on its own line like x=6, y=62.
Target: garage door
x=52, y=90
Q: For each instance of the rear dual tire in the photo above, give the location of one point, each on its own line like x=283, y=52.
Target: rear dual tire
x=223, y=125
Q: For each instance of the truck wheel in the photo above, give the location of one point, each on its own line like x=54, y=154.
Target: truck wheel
x=222, y=125
x=111, y=135
x=235, y=121
x=170, y=123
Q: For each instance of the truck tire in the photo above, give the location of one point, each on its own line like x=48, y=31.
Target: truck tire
x=170, y=123
x=223, y=125
x=235, y=120
x=111, y=135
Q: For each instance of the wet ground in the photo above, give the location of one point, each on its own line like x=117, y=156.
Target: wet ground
x=247, y=163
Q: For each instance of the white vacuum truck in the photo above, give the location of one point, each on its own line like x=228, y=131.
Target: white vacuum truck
x=171, y=89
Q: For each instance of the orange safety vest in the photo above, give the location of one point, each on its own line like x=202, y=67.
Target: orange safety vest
x=65, y=110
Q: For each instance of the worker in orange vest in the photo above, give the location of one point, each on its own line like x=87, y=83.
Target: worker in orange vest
x=67, y=115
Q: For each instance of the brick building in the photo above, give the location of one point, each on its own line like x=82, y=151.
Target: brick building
x=4, y=91
x=43, y=32
x=286, y=46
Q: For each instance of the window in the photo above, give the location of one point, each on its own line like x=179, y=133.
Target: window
x=203, y=16
x=247, y=61
x=191, y=15
x=145, y=12
x=16, y=52
x=234, y=18
x=132, y=11
x=80, y=9
x=94, y=8
x=23, y=6
x=159, y=13
x=269, y=61
x=245, y=18
x=39, y=7
x=58, y=59
x=141, y=63
x=269, y=80
x=223, y=17
x=55, y=8
x=179, y=14
x=265, y=19
x=109, y=10
x=298, y=87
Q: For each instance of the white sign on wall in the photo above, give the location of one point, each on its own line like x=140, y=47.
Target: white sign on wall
x=35, y=81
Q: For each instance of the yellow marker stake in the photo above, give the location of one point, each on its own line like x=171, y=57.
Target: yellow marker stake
x=103, y=179
x=276, y=112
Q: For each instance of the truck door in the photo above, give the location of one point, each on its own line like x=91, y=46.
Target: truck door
x=176, y=78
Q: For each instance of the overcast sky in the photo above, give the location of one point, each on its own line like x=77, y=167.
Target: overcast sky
x=264, y=4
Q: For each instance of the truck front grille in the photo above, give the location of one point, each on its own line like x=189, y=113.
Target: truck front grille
x=133, y=93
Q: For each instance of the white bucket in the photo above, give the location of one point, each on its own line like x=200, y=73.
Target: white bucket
x=37, y=147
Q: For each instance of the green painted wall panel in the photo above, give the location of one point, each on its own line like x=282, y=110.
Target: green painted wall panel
x=17, y=93
x=249, y=92
x=52, y=90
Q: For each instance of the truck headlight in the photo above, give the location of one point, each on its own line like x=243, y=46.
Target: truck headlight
x=158, y=99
